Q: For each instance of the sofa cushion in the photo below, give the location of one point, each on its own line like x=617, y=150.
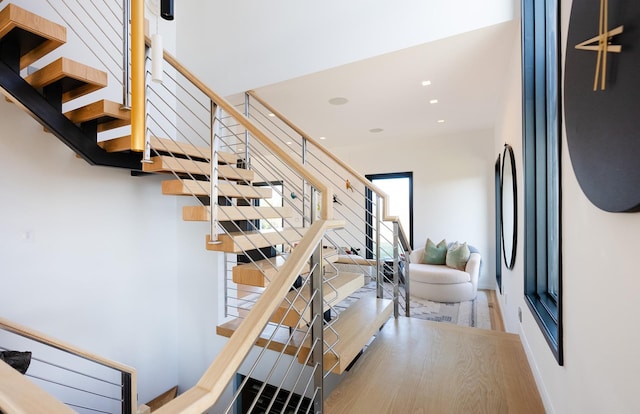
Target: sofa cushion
x=458, y=255
x=435, y=253
x=437, y=274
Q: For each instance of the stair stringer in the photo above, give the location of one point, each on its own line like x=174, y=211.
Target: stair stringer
x=30, y=100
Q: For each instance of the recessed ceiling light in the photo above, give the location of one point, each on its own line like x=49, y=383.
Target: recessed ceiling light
x=323, y=137
x=426, y=83
x=433, y=101
x=441, y=121
x=338, y=101
x=272, y=115
x=376, y=130
x=289, y=142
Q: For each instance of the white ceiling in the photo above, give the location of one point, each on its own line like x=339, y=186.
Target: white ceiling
x=386, y=92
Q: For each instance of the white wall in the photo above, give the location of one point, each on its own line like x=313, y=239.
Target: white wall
x=88, y=254
x=600, y=285
x=236, y=46
x=452, y=188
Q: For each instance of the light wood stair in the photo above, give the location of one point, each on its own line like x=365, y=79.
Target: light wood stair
x=74, y=79
x=259, y=273
x=225, y=189
x=36, y=35
x=166, y=145
x=107, y=114
x=355, y=327
x=334, y=291
x=230, y=213
x=238, y=242
x=169, y=164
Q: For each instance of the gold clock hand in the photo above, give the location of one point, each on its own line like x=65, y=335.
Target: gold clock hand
x=605, y=42
x=600, y=46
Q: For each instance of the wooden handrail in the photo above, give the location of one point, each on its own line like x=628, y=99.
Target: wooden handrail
x=327, y=192
x=361, y=178
x=18, y=395
x=63, y=346
x=222, y=370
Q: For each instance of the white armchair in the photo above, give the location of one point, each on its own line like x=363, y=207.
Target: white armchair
x=441, y=283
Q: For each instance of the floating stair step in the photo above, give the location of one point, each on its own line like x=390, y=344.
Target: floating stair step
x=108, y=114
x=225, y=189
x=231, y=213
x=167, y=145
x=74, y=78
x=196, y=151
x=272, y=337
x=355, y=327
x=119, y=144
x=259, y=273
x=334, y=291
x=36, y=35
x=242, y=241
x=167, y=163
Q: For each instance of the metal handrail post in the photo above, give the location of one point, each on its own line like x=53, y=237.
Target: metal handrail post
x=247, y=161
x=317, y=330
x=396, y=270
x=379, y=267
x=127, y=402
x=304, y=183
x=407, y=287
x=213, y=178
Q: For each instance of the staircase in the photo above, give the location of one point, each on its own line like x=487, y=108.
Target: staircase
x=284, y=282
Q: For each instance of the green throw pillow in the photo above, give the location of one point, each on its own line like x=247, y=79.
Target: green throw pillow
x=458, y=256
x=435, y=253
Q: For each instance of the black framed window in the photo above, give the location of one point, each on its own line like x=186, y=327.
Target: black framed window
x=399, y=188
x=541, y=124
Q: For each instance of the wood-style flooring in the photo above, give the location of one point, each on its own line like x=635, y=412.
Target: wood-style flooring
x=418, y=366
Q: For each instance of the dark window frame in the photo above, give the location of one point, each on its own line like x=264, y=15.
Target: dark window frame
x=369, y=207
x=541, y=143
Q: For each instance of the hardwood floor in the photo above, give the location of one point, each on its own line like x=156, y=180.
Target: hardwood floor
x=418, y=366
x=494, y=311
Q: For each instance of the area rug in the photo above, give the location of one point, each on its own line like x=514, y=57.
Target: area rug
x=473, y=313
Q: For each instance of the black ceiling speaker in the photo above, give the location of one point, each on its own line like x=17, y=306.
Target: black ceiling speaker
x=166, y=9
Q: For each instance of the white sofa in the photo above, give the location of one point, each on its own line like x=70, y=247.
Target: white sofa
x=441, y=283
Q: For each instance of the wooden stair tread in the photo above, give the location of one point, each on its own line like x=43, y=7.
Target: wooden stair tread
x=230, y=213
x=334, y=291
x=108, y=114
x=259, y=272
x=76, y=79
x=272, y=337
x=167, y=145
x=225, y=189
x=355, y=327
x=238, y=242
x=167, y=163
x=186, y=148
x=38, y=36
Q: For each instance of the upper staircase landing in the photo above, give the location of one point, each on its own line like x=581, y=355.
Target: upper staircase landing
x=36, y=35
x=418, y=366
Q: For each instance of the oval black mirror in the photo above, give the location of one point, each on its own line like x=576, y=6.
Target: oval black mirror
x=509, y=207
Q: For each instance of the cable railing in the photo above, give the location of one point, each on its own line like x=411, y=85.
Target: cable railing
x=265, y=219
x=103, y=27
x=370, y=230
x=85, y=382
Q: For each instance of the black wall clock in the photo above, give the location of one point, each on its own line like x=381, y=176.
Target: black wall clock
x=603, y=125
